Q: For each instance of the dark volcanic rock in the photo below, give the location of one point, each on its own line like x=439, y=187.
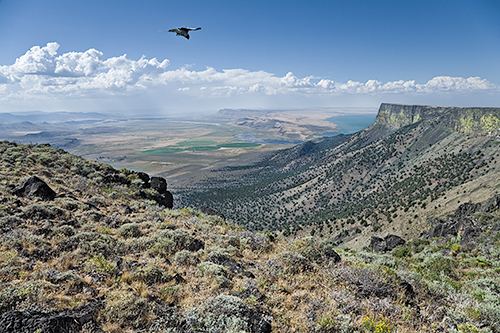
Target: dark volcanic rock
x=393, y=241
x=69, y=321
x=440, y=228
x=377, y=244
x=169, y=317
x=250, y=290
x=34, y=187
x=460, y=222
x=465, y=210
x=166, y=199
x=209, y=211
x=233, y=266
x=145, y=178
x=388, y=243
x=407, y=289
x=330, y=254
x=491, y=205
x=159, y=184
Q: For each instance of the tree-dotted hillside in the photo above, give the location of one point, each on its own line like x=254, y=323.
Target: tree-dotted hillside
x=384, y=179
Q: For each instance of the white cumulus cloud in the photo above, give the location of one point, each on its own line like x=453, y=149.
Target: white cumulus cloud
x=41, y=73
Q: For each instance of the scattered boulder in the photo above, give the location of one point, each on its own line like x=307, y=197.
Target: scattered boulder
x=491, y=205
x=465, y=210
x=115, y=178
x=330, y=254
x=178, y=278
x=34, y=187
x=250, y=290
x=388, y=243
x=145, y=179
x=159, y=184
x=233, y=266
x=70, y=321
x=393, y=241
x=169, y=319
x=210, y=211
x=460, y=222
x=162, y=196
x=407, y=289
x=440, y=228
x=166, y=199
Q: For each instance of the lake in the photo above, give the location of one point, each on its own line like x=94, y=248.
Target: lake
x=351, y=123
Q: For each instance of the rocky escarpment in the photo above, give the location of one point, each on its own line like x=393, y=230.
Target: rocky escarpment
x=469, y=120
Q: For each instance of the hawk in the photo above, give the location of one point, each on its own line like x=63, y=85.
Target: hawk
x=184, y=32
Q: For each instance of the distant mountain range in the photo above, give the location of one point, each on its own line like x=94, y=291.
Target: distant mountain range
x=50, y=117
x=414, y=162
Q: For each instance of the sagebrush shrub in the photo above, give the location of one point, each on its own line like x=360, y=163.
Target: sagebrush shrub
x=129, y=230
x=43, y=211
x=186, y=258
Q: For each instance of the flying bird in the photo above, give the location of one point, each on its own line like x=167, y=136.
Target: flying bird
x=184, y=32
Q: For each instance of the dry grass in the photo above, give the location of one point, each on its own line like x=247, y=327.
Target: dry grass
x=149, y=258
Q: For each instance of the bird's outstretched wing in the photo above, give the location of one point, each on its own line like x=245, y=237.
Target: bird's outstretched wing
x=190, y=29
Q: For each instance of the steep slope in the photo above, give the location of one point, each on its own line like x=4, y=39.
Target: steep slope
x=413, y=162
x=87, y=248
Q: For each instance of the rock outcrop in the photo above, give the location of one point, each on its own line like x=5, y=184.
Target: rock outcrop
x=462, y=223
x=209, y=211
x=159, y=184
x=388, y=243
x=69, y=321
x=34, y=187
x=481, y=121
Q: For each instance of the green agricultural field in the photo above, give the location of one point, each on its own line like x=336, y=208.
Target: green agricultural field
x=160, y=151
x=239, y=145
x=202, y=148
x=190, y=146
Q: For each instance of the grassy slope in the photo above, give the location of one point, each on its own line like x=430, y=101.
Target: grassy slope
x=99, y=240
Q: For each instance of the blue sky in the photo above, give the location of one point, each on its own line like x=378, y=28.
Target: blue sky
x=109, y=55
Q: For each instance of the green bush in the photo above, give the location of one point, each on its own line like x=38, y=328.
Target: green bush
x=401, y=252
x=170, y=242
x=436, y=263
x=186, y=258
x=129, y=230
x=11, y=222
x=151, y=274
x=211, y=269
x=65, y=230
x=100, y=264
x=127, y=309
x=43, y=211
x=223, y=313
x=68, y=204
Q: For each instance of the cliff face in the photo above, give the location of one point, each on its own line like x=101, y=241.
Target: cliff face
x=480, y=121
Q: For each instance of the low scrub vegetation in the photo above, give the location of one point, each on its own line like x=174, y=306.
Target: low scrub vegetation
x=159, y=270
